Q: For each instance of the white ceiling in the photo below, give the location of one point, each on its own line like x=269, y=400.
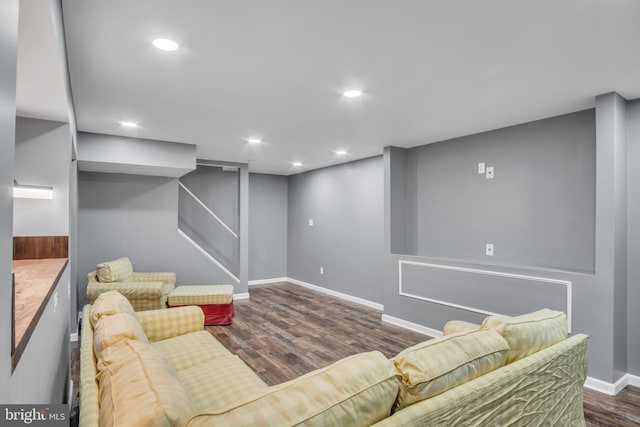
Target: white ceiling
x=430, y=70
x=40, y=81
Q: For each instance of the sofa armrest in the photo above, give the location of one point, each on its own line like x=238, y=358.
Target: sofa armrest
x=167, y=323
x=89, y=394
x=544, y=388
x=455, y=326
x=131, y=290
x=169, y=278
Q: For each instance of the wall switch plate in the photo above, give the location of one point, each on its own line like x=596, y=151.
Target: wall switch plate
x=481, y=168
x=310, y=223
x=321, y=270
x=490, y=172
x=489, y=249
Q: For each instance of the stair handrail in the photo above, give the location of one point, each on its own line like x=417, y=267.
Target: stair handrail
x=208, y=255
x=207, y=209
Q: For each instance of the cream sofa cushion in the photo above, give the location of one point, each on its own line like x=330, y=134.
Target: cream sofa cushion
x=219, y=382
x=119, y=270
x=108, y=303
x=356, y=391
x=195, y=348
x=437, y=365
x=110, y=330
x=455, y=326
x=139, y=388
x=529, y=333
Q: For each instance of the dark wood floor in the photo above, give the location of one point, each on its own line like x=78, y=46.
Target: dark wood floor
x=284, y=331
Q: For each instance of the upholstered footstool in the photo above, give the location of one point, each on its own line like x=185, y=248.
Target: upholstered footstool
x=216, y=301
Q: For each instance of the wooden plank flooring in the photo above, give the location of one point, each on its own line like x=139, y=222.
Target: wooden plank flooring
x=612, y=411
x=285, y=331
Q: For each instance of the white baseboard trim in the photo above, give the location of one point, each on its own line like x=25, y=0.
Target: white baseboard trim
x=73, y=337
x=612, y=389
x=244, y=295
x=411, y=326
x=634, y=380
x=337, y=294
x=266, y=281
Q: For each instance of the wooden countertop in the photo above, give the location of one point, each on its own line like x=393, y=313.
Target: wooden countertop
x=35, y=280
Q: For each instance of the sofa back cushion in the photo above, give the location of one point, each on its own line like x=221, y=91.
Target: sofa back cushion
x=433, y=367
x=119, y=270
x=110, y=330
x=138, y=387
x=357, y=391
x=108, y=303
x=529, y=333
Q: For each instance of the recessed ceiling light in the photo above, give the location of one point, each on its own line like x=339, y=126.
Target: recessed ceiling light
x=296, y=164
x=352, y=93
x=129, y=124
x=340, y=152
x=254, y=141
x=165, y=44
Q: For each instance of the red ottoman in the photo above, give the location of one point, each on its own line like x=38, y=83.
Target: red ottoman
x=216, y=301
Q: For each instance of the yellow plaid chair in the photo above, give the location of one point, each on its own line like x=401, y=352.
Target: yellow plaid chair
x=145, y=291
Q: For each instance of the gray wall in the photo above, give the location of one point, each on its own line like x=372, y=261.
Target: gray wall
x=633, y=206
x=611, y=230
x=39, y=377
x=73, y=245
x=537, y=211
x=267, y=226
x=345, y=203
x=8, y=55
x=42, y=373
x=600, y=291
x=398, y=199
x=43, y=152
x=136, y=216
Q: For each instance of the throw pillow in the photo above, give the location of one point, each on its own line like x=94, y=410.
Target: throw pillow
x=435, y=366
x=529, y=333
x=110, y=330
x=138, y=387
x=109, y=303
x=119, y=270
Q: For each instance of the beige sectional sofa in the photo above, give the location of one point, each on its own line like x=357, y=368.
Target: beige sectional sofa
x=160, y=368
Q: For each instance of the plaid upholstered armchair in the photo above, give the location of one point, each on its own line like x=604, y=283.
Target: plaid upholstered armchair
x=145, y=291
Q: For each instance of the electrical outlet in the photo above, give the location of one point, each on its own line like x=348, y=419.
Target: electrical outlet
x=321, y=270
x=481, y=168
x=490, y=172
x=310, y=222
x=489, y=249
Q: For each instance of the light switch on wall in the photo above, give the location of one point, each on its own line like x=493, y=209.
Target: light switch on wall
x=481, y=167
x=310, y=223
x=321, y=270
